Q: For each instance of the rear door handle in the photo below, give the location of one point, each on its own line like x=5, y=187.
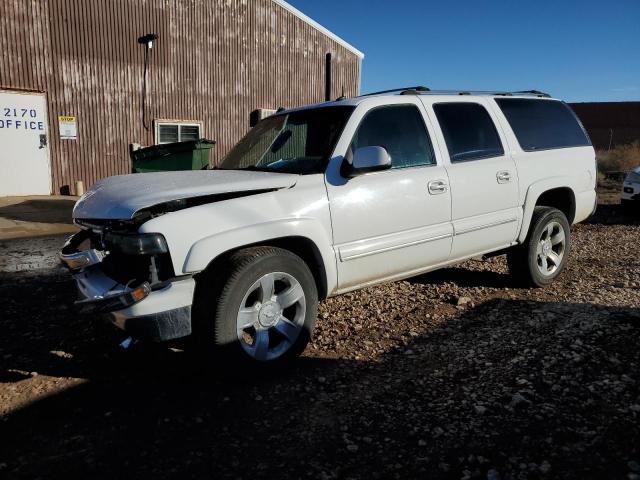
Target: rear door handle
x=436, y=187
x=503, y=176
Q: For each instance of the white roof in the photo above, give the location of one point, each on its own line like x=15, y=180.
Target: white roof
x=319, y=27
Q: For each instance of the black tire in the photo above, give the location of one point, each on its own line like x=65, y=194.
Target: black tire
x=219, y=295
x=523, y=259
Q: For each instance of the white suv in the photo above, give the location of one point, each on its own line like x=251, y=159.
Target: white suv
x=324, y=199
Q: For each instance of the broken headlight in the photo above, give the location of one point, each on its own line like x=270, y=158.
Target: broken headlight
x=136, y=244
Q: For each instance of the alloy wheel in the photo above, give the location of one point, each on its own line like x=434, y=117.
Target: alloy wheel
x=550, y=248
x=271, y=316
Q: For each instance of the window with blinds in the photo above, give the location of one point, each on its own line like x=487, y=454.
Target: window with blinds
x=170, y=132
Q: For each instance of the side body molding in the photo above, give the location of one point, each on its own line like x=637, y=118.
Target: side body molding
x=533, y=193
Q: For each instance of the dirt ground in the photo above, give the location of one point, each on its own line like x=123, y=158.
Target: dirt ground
x=454, y=374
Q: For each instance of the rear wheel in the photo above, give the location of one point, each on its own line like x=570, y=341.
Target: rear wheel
x=259, y=310
x=544, y=253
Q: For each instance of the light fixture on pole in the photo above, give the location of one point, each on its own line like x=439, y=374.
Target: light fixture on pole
x=147, y=40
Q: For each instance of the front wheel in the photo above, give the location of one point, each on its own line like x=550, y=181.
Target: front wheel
x=544, y=253
x=258, y=310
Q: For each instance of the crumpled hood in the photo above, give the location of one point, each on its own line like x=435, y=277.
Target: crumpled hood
x=120, y=197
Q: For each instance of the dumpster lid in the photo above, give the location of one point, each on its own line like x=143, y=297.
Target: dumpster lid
x=171, y=148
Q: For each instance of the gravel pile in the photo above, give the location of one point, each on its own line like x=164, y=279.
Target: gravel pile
x=454, y=374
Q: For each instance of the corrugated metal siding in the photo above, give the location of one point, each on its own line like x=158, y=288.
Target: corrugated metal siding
x=214, y=62
x=610, y=123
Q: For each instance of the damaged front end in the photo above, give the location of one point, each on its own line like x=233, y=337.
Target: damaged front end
x=117, y=269
x=130, y=275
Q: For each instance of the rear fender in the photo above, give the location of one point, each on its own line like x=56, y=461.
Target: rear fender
x=533, y=194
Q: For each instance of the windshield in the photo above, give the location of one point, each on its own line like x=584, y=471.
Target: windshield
x=296, y=142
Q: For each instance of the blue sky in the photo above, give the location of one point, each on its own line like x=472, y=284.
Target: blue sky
x=575, y=50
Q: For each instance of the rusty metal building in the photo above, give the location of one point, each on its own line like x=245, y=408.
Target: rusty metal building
x=213, y=62
x=610, y=124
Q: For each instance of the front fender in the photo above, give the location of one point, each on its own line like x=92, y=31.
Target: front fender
x=205, y=250
x=533, y=193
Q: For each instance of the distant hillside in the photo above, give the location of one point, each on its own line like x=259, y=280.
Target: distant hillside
x=617, y=123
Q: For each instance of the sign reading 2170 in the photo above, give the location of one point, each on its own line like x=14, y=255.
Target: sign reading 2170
x=20, y=119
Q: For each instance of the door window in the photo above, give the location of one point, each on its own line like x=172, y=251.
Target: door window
x=468, y=131
x=401, y=131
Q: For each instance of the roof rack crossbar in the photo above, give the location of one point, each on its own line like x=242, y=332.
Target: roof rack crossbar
x=533, y=92
x=419, y=88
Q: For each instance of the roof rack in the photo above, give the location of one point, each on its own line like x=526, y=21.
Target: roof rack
x=498, y=93
x=537, y=93
x=420, y=90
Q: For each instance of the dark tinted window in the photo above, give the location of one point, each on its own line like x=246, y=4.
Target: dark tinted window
x=542, y=124
x=468, y=130
x=400, y=129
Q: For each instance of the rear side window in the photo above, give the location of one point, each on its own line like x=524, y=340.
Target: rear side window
x=401, y=131
x=468, y=130
x=543, y=124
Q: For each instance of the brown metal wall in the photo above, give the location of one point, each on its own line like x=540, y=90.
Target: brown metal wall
x=214, y=62
x=610, y=123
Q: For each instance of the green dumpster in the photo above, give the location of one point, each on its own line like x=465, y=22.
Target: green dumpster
x=190, y=155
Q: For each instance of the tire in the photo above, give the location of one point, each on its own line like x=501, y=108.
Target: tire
x=528, y=262
x=249, y=289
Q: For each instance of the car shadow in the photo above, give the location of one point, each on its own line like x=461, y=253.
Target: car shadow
x=504, y=384
x=464, y=277
x=615, y=214
x=40, y=210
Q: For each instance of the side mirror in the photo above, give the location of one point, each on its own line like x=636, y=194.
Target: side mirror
x=369, y=159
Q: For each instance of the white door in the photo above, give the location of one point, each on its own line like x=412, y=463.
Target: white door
x=396, y=222
x=24, y=144
x=482, y=175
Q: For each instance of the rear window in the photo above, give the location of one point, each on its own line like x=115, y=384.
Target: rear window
x=543, y=124
x=468, y=130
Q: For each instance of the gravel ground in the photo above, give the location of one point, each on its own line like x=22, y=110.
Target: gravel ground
x=454, y=374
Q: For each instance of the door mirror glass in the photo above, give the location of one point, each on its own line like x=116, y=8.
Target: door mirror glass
x=369, y=159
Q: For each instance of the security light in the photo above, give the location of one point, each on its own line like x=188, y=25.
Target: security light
x=148, y=39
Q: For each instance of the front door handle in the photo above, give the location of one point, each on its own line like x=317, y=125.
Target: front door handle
x=436, y=187
x=503, y=176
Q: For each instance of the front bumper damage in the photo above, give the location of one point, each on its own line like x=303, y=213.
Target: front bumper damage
x=156, y=311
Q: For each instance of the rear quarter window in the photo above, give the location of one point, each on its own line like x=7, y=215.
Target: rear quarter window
x=543, y=124
x=468, y=131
